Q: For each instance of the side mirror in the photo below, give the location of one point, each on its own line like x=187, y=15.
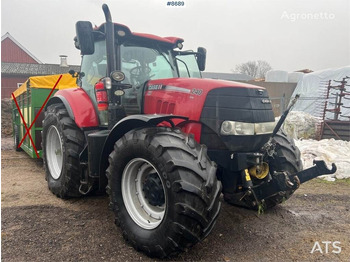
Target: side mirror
x=201, y=57
x=85, y=38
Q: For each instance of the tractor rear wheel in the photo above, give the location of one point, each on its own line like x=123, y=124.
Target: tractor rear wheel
x=285, y=158
x=62, y=143
x=163, y=190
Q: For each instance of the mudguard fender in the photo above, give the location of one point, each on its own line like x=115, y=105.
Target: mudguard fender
x=121, y=128
x=79, y=106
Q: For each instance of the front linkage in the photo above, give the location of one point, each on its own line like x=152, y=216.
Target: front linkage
x=281, y=183
x=284, y=181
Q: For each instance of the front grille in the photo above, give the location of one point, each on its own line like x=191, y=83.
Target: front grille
x=235, y=104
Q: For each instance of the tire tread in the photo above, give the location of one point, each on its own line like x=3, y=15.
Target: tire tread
x=196, y=189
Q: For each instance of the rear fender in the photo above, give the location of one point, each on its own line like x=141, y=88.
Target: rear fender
x=79, y=106
x=121, y=128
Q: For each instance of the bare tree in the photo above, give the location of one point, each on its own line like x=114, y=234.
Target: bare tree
x=256, y=69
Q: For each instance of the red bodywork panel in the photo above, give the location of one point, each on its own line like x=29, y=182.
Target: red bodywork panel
x=81, y=105
x=169, y=40
x=184, y=97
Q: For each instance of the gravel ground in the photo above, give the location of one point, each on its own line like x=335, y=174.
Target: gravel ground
x=37, y=226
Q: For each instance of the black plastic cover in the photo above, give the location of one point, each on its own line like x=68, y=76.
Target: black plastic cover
x=247, y=105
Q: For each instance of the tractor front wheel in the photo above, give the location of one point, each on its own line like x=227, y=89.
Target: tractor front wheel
x=163, y=190
x=62, y=143
x=285, y=158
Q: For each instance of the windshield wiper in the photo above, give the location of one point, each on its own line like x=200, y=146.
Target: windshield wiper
x=188, y=71
x=161, y=53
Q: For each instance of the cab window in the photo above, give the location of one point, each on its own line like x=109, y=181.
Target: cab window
x=94, y=67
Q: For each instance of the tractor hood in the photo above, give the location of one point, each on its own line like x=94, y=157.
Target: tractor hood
x=187, y=96
x=211, y=102
x=199, y=83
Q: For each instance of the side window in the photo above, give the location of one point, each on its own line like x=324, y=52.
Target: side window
x=188, y=67
x=94, y=67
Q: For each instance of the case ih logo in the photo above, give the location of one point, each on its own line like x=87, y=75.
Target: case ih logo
x=155, y=87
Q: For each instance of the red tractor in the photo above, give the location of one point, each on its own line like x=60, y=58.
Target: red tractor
x=163, y=142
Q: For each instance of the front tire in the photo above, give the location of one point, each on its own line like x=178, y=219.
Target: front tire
x=62, y=143
x=163, y=190
x=285, y=158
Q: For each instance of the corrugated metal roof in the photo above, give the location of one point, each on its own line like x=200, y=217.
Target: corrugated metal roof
x=35, y=69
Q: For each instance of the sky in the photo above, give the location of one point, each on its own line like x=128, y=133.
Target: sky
x=290, y=35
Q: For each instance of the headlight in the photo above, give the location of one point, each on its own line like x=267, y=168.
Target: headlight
x=246, y=129
x=264, y=128
x=118, y=76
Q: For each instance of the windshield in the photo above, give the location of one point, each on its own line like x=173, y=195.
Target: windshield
x=187, y=65
x=140, y=64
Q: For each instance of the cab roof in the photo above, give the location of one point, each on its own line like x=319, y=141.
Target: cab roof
x=122, y=31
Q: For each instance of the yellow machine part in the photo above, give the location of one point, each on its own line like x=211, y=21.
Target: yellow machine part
x=260, y=171
x=47, y=82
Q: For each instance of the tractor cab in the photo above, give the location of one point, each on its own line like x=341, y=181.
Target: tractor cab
x=118, y=63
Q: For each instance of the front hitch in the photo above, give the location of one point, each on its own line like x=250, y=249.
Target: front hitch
x=283, y=182
x=319, y=168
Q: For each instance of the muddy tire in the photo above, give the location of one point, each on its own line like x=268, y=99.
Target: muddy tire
x=285, y=158
x=16, y=139
x=62, y=143
x=163, y=190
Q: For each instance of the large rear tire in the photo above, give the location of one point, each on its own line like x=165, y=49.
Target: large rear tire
x=285, y=158
x=62, y=143
x=163, y=190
